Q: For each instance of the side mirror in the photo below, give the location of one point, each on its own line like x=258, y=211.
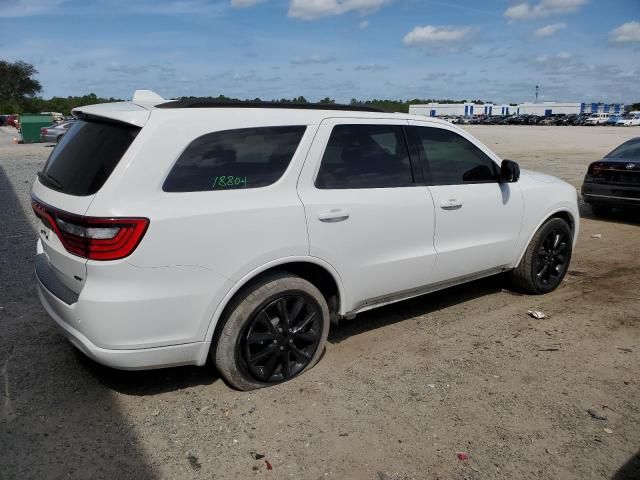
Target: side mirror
x=509, y=171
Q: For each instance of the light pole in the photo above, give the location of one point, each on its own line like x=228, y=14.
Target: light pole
x=537, y=87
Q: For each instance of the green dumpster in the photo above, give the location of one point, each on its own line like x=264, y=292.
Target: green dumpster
x=30, y=125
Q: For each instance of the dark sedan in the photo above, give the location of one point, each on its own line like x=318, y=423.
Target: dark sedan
x=614, y=181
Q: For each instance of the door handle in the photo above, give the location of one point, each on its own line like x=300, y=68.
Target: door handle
x=333, y=215
x=451, y=204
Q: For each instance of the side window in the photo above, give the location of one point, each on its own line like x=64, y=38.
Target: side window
x=231, y=159
x=365, y=156
x=453, y=160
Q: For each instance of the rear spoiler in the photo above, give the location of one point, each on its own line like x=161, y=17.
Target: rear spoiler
x=123, y=112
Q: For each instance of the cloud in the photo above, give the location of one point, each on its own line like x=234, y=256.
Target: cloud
x=83, y=64
x=363, y=24
x=245, y=3
x=127, y=69
x=626, y=33
x=372, y=67
x=27, y=8
x=313, y=60
x=545, y=8
x=549, y=30
x=314, y=9
x=432, y=36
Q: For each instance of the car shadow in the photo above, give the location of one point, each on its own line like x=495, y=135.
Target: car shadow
x=150, y=382
x=422, y=305
x=56, y=420
x=629, y=216
x=630, y=470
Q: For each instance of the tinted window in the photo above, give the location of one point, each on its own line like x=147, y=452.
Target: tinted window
x=365, y=156
x=452, y=159
x=628, y=150
x=245, y=158
x=86, y=156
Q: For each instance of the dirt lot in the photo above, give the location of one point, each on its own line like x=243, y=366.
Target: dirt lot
x=398, y=393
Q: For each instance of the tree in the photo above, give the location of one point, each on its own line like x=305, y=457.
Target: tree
x=17, y=85
x=635, y=106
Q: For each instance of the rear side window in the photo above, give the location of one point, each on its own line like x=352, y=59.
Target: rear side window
x=365, y=156
x=454, y=160
x=85, y=157
x=628, y=150
x=232, y=159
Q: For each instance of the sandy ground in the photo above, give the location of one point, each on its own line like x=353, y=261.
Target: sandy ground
x=398, y=393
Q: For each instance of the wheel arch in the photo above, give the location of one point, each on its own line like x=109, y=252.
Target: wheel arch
x=563, y=213
x=315, y=270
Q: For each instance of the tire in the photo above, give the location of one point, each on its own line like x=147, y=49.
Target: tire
x=526, y=276
x=256, y=313
x=601, y=210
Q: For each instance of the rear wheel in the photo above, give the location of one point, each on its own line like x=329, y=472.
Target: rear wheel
x=275, y=330
x=546, y=260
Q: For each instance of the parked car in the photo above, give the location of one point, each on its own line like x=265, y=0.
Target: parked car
x=629, y=120
x=243, y=234
x=596, y=119
x=54, y=133
x=614, y=181
x=11, y=121
x=612, y=120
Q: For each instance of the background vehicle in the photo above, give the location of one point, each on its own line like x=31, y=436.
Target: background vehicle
x=614, y=181
x=55, y=132
x=596, y=119
x=249, y=230
x=612, y=120
x=630, y=120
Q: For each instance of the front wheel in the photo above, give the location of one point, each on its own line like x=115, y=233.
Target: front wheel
x=546, y=260
x=274, y=330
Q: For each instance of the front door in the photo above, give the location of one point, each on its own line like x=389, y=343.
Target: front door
x=365, y=214
x=478, y=219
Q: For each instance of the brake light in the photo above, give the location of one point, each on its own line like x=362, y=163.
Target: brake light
x=44, y=131
x=91, y=237
x=597, y=168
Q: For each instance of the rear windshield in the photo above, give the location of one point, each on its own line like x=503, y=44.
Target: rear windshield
x=234, y=159
x=86, y=155
x=628, y=150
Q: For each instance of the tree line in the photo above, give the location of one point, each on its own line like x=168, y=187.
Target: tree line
x=19, y=94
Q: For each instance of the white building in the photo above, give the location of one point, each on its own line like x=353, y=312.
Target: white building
x=547, y=108
x=467, y=109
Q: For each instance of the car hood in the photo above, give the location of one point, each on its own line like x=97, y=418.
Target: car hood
x=540, y=177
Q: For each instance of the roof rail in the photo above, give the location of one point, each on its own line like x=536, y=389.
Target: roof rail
x=206, y=103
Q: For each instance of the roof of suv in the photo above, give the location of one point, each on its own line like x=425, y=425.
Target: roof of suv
x=137, y=111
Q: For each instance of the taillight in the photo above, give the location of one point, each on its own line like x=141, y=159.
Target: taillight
x=597, y=168
x=44, y=131
x=91, y=237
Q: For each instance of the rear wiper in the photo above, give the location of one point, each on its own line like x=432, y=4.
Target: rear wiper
x=42, y=175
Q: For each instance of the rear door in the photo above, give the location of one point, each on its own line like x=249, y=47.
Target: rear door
x=477, y=218
x=365, y=214
x=76, y=169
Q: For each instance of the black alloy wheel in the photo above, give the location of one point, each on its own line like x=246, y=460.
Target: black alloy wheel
x=282, y=337
x=551, y=259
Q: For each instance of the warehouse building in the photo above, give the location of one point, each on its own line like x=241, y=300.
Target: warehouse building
x=467, y=109
x=543, y=109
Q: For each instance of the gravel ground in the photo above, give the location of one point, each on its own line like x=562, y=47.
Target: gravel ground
x=399, y=392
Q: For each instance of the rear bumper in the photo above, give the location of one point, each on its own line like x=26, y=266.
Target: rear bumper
x=607, y=194
x=135, y=359
x=135, y=318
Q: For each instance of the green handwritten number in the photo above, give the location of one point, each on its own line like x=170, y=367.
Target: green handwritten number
x=225, y=181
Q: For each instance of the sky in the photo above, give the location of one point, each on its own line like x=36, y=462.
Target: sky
x=494, y=50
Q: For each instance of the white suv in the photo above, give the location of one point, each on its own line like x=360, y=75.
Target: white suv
x=172, y=231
